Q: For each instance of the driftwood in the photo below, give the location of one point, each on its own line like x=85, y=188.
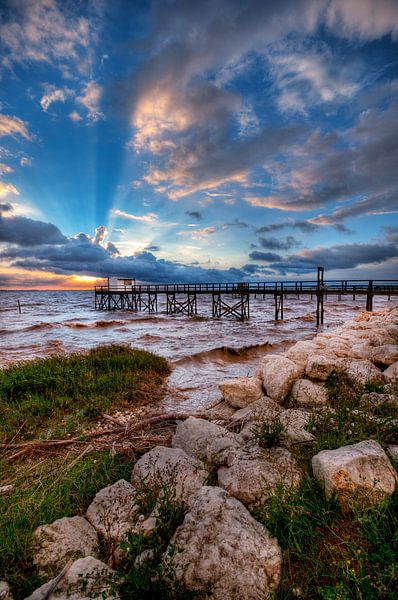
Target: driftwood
x=125, y=429
x=57, y=580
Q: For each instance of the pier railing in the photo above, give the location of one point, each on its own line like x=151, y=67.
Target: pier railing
x=181, y=298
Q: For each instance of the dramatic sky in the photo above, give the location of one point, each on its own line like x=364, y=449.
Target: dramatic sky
x=193, y=140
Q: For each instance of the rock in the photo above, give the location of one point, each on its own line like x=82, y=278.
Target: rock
x=307, y=393
x=278, y=374
x=391, y=374
x=6, y=489
x=301, y=350
x=67, y=538
x=86, y=579
x=265, y=408
x=295, y=422
x=320, y=367
x=204, y=440
x=241, y=391
x=359, y=474
x=170, y=467
x=225, y=551
x=386, y=354
x=253, y=473
x=113, y=512
x=360, y=371
x=361, y=350
x=373, y=400
x=5, y=593
x=392, y=452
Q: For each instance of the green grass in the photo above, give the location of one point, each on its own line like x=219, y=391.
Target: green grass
x=331, y=556
x=46, y=491
x=55, y=396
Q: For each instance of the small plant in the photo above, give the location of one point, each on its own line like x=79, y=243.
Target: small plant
x=374, y=386
x=267, y=432
x=342, y=390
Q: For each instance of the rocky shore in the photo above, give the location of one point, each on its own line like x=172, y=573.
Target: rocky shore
x=222, y=471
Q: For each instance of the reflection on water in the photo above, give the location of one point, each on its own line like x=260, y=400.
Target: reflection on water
x=202, y=350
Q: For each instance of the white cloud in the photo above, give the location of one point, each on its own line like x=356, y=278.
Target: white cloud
x=367, y=19
x=149, y=218
x=13, y=126
x=54, y=95
x=6, y=189
x=75, y=117
x=4, y=169
x=90, y=99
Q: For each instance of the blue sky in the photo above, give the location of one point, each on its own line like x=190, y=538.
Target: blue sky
x=197, y=141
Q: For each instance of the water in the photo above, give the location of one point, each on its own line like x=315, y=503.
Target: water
x=202, y=351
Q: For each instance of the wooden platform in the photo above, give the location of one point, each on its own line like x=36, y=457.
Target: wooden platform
x=233, y=299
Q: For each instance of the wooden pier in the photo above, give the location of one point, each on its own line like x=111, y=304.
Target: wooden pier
x=233, y=299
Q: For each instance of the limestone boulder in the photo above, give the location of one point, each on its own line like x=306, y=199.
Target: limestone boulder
x=202, y=439
x=362, y=350
x=361, y=371
x=224, y=552
x=372, y=400
x=5, y=593
x=309, y=394
x=392, y=452
x=320, y=366
x=113, y=512
x=278, y=374
x=295, y=432
x=86, y=579
x=359, y=474
x=301, y=350
x=253, y=473
x=241, y=391
x=170, y=467
x=391, y=374
x=56, y=543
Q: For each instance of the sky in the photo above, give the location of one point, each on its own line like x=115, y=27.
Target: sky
x=195, y=141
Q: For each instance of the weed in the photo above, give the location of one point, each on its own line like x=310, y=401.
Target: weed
x=374, y=386
x=267, y=432
x=342, y=390
x=57, y=395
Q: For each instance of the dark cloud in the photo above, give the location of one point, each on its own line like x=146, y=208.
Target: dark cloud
x=266, y=256
x=272, y=243
x=5, y=207
x=237, y=223
x=392, y=234
x=194, y=214
x=28, y=232
x=152, y=248
x=343, y=256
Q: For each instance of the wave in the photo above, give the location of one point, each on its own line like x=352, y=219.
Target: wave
x=227, y=354
x=39, y=326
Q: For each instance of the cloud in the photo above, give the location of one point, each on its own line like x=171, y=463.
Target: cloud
x=6, y=189
x=194, y=214
x=266, y=256
x=13, y=126
x=5, y=207
x=149, y=218
x=392, y=234
x=342, y=256
x=152, y=249
x=28, y=232
x=365, y=19
x=199, y=234
x=54, y=95
x=91, y=99
x=75, y=117
x=44, y=31
x=275, y=244
x=4, y=169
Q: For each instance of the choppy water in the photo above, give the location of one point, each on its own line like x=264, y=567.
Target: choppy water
x=202, y=350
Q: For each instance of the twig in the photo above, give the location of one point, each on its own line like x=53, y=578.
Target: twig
x=86, y=451
x=57, y=580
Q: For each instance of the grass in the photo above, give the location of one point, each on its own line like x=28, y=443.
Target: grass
x=46, y=491
x=59, y=397
x=267, y=432
x=55, y=396
x=331, y=556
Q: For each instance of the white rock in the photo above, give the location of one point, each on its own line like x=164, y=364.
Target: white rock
x=391, y=374
x=358, y=474
x=392, y=452
x=67, y=538
x=361, y=371
x=113, y=511
x=241, y=391
x=95, y=574
x=264, y=407
x=307, y=393
x=295, y=422
x=278, y=374
x=223, y=549
x=5, y=593
x=301, y=350
x=362, y=350
x=204, y=440
x=253, y=473
x=171, y=467
x=320, y=367
x=373, y=400
x=386, y=354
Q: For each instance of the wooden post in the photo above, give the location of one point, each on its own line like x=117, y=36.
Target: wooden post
x=369, y=297
x=19, y=307
x=319, y=297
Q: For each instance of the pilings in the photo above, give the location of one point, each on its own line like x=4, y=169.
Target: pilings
x=240, y=309
x=184, y=304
